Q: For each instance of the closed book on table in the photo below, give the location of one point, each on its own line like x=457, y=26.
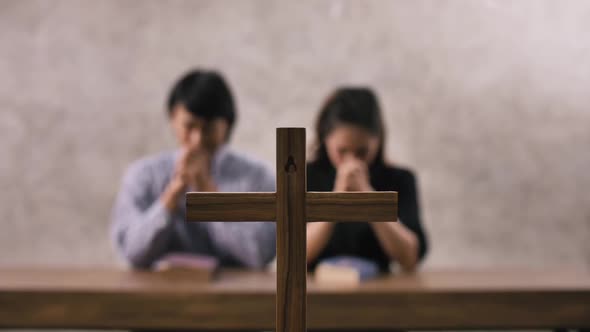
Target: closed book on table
x=345, y=270
x=200, y=266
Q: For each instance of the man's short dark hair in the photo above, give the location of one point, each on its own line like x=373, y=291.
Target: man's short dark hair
x=204, y=93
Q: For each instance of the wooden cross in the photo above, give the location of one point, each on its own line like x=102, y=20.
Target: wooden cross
x=291, y=206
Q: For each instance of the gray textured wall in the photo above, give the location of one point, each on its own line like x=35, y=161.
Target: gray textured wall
x=486, y=100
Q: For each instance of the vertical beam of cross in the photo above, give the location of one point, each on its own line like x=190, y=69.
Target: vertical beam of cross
x=291, y=230
x=292, y=207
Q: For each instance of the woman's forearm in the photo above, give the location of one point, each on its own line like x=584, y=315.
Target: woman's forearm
x=318, y=235
x=398, y=242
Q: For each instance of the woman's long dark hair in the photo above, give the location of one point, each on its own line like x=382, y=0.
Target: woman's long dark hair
x=349, y=105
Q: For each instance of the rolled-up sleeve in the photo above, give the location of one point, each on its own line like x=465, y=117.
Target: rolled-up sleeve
x=409, y=215
x=140, y=226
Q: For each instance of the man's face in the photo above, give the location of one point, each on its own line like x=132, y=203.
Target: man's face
x=189, y=128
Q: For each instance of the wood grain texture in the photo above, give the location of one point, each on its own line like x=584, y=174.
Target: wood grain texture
x=205, y=206
x=352, y=206
x=291, y=231
x=238, y=300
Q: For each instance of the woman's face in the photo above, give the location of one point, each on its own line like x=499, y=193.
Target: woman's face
x=188, y=127
x=351, y=142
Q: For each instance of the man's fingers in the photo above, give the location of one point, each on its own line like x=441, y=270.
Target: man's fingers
x=183, y=160
x=192, y=148
x=194, y=141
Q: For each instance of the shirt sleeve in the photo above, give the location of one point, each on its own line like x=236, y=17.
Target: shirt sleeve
x=409, y=211
x=251, y=243
x=141, y=225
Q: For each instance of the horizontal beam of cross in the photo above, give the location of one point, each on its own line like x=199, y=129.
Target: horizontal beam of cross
x=321, y=206
x=201, y=206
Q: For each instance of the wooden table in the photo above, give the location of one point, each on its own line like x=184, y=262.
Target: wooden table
x=103, y=298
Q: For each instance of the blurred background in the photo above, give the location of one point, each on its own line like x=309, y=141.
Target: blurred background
x=488, y=101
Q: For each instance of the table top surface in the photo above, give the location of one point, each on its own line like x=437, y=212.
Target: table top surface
x=238, y=281
x=107, y=298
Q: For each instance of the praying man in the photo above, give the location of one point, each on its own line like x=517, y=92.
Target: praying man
x=148, y=217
